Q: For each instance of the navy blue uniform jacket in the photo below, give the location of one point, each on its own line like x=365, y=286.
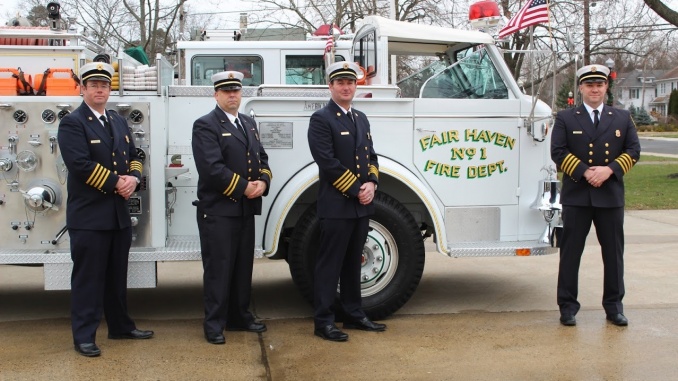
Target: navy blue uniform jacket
x=577, y=145
x=346, y=159
x=94, y=163
x=226, y=162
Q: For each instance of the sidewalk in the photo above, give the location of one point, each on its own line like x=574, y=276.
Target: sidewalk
x=470, y=319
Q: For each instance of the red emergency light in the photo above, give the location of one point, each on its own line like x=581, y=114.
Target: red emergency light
x=483, y=14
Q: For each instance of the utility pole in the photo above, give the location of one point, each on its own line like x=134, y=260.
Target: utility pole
x=182, y=25
x=587, y=34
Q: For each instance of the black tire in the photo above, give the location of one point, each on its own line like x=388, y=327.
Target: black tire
x=393, y=256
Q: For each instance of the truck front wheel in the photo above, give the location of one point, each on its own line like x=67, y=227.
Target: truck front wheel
x=392, y=258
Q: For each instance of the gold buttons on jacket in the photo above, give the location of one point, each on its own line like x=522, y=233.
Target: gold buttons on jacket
x=607, y=152
x=113, y=154
x=607, y=144
x=590, y=153
x=591, y=145
x=590, y=161
x=358, y=166
x=114, y=163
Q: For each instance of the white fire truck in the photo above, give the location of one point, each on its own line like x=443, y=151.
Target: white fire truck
x=462, y=151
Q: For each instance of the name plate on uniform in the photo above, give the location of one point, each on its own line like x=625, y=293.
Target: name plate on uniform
x=276, y=134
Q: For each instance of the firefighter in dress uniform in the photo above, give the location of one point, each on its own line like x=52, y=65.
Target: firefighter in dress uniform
x=103, y=172
x=341, y=144
x=595, y=146
x=233, y=176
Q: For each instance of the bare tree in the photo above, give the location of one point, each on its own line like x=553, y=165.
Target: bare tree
x=310, y=14
x=621, y=30
x=663, y=11
x=114, y=24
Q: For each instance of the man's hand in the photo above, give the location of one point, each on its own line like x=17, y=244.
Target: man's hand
x=259, y=189
x=597, y=175
x=366, y=193
x=126, y=185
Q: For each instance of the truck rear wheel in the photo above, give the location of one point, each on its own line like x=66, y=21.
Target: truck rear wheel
x=392, y=263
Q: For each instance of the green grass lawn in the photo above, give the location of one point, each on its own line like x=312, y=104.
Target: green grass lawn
x=648, y=186
x=658, y=134
x=646, y=158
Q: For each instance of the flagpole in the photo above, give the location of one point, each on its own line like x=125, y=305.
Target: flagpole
x=529, y=47
x=555, y=55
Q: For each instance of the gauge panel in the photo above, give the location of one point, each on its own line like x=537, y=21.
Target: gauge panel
x=136, y=116
x=48, y=116
x=142, y=155
x=63, y=113
x=20, y=116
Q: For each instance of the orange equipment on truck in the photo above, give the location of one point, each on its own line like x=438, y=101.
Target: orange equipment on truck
x=16, y=83
x=66, y=83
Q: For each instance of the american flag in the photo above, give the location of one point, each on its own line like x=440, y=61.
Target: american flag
x=330, y=42
x=534, y=12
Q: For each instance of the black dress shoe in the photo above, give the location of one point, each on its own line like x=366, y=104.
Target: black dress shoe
x=88, y=349
x=331, y=332
x=133, y=334
x=366, y=324
x=251, y=327
x=618, y=319
x=215, y=338
x=568, y=320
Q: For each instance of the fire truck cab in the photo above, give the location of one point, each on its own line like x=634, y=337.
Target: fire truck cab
x=463, y=153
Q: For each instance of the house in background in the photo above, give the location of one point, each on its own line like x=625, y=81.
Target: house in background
x=637, y=88
x=665, y=84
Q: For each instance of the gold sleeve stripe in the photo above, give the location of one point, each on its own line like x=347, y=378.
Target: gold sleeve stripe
x=346, y=185
x=267, y=172
x=98, y=176
x=342, y=178
x=570, y=164
x=345, y=181
x=373, y=170
x=100, y=179
x=231, y=187
x=136, y=166
x=625, y=161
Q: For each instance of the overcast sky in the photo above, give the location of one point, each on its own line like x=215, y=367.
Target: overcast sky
x=229, y=10
x=229, y=18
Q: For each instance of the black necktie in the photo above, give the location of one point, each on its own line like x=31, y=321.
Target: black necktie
x=596, y=121
x=240, y=127
x=353, y=126
x=107, y=126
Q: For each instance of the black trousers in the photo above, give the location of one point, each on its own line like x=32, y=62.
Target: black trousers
x=99, y=282
x=609, y=223
x=227, y=246
x=339, y=261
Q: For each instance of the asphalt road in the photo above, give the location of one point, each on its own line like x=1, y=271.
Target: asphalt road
x=470, y=319
x=667, y=146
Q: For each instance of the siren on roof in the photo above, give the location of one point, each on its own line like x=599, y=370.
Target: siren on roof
x=324, y=30
x=484, y=14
